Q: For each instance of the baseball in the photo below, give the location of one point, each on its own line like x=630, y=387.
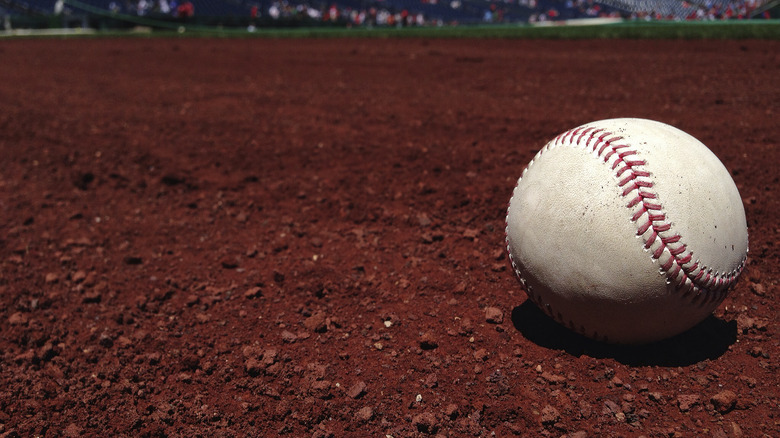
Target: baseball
x=626, y=230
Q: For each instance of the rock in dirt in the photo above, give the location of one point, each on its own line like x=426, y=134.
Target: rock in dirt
x=747, y=324
x=423, y=220
x=481, y=354
x=17, y=318
x=553, y=379
x=229, y=263
x=364, y=414
x=585, y=409
x=316, y=323
x=686, y=401
x=253, y=292
x=451, y=411
x=252, y=351
x=253, y=367
x=289, y=337
x=47, y=352
x=428, y=341
x=426, y=422
x=500, y=384
x=610, y=407
x=550, y=415
x=123, y=342
x=78, y=276
x=320, y=389
x=494, y=315
x=724, y=401
x=72, y=430
x=758, y=352
x=656, y=397
x=154, y=358
x=431, y=381
x=758, y=289
x=357, y=390
x=269, y=356
x=93, y=296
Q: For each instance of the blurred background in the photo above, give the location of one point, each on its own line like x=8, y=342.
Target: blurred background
x=251, y=15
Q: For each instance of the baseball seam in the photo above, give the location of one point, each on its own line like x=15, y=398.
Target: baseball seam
x=698, y=283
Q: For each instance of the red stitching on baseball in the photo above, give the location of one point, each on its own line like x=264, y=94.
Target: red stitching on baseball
x=627, y=179
x=668, y=265
x=673, y=239
x=650, y=240
x=696, y=279
x=677, y=268
x=642, y=229
x=584, y=132
x=679, y=256
x=634, y=202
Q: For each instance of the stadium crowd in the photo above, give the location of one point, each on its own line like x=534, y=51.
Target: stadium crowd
x=437, y=12
x=181, y=9
x=739, y=9
x=403, y=13
x=388, y=12
x=707, y=10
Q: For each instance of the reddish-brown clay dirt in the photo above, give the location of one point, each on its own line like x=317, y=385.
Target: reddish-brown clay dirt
x=223, y=238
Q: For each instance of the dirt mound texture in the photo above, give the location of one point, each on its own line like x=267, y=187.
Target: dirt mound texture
x=222, y=238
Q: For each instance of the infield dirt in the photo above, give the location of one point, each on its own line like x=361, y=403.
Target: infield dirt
x=217, y=237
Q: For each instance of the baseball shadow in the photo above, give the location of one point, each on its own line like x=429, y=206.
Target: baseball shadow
x=707, y=340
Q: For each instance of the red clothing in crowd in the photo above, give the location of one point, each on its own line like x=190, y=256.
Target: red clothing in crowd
x=185, y=10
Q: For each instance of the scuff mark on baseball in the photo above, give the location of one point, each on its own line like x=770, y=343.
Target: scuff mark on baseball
x=626, y=230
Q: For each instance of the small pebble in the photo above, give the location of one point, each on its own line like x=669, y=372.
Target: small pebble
x=724, y=401
x=289, y=337
x=426, y=422
x=550, y=415
x=494, y=315
x=357, y=390
x=686, y=401
x=364, y=414
x=428, y=341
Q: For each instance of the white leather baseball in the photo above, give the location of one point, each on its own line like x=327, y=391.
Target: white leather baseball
x=626, y=230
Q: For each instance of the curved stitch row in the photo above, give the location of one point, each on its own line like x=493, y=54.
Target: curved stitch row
x=696, y=278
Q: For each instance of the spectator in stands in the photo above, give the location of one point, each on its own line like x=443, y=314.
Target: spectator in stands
x=186, y=10
x=274, y=10
x=165, y=8
x=141, y=7
x=333, y=13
